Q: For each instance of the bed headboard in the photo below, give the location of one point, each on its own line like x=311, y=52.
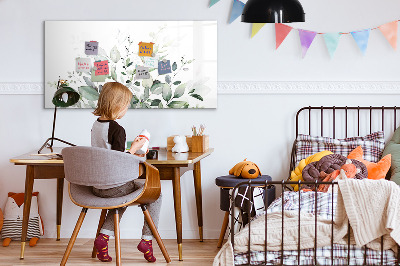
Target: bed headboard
x=344, y=121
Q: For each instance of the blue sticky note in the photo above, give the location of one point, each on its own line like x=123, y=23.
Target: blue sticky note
x=164, y=67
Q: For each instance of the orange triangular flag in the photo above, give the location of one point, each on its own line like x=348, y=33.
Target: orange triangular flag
x=389, y=30
x=281, y=31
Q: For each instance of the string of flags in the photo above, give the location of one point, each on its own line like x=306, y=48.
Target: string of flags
x=361, y=37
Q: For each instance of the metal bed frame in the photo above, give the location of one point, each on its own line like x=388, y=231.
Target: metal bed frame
x=283, y=184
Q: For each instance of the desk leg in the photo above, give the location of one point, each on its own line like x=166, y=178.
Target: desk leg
x=60, y=190
x=27, y=206
x=176, y=182
x=197, y=189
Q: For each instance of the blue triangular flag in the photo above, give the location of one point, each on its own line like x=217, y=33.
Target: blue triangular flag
x=237, y=9
x=332, y=41
x=213, y=2
x=361, y=37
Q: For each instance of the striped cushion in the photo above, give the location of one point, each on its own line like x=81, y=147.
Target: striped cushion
x=13, y=228
x=372, y=145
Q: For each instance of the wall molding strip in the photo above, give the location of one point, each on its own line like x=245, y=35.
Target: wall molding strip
x=260, y=87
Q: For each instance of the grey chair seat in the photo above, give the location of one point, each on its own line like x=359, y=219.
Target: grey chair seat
x=83, y=196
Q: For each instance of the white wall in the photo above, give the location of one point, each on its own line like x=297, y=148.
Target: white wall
x=259, y=127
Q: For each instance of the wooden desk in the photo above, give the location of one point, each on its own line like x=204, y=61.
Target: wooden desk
x=171, y=167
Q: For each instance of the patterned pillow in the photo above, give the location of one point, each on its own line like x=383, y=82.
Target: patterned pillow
x=372, y=144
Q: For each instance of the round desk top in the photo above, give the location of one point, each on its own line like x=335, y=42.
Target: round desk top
x=230, y=181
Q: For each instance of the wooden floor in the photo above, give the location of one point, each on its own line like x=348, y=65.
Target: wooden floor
x=50, y=252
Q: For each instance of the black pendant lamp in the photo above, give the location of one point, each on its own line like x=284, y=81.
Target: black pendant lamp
x=273, y=11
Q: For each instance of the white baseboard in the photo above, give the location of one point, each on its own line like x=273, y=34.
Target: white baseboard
x=260, y=87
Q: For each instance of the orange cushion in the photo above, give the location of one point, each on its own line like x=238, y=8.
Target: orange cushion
x=375, y=170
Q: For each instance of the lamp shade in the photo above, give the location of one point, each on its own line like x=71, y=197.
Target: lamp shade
x=273, y=11
x=65, y=97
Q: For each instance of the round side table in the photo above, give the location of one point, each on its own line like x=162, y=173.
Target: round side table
x=228, y=182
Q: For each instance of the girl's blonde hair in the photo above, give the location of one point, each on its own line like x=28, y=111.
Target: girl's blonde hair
x=113, y=98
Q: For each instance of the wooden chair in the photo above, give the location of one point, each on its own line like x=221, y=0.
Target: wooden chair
x=85, y=167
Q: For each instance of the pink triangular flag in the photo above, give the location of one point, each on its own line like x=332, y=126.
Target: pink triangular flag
x=306, y=39
x=281, y=31
x=389, y=30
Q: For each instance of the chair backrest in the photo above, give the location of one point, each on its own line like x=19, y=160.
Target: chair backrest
x=92, y=166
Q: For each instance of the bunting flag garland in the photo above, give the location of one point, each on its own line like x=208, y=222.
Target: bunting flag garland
x=361, y=37
x=237, y=8
x=255, y=28
x=332, y=41
x=389, y=30
x=306, y=39
x=213, y=2
x=281, y=31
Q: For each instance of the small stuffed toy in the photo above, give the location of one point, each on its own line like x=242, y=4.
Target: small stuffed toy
x=13, y=215
x=245, y=169
x=180, y=144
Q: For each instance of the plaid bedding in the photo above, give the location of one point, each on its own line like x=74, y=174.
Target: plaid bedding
x=372, y=145
x=324, y=257
x=322, y=207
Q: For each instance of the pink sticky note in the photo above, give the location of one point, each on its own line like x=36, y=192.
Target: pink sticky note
x=101, y=68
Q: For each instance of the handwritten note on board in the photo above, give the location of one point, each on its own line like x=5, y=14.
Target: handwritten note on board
x=142, y=72
x=100, y=78
x=91, y=48
x=101, y=67
x=146, y=48
x=164, y=67
x=150, y=62
x=83, y=64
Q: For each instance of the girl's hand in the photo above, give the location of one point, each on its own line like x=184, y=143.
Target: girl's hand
x=137, y=144
x=142, y=155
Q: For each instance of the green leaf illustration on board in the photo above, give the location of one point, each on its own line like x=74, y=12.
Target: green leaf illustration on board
x=146, y=93
x=89, y=93
x=113, y=74
x=174, y=66
x=167, y=79
x=180, y=90
x=134, y=100
x=147, y=83
x=177, y=104
x=177, y=82
x=166, y=92
x=197, y=96
x=89, y=82
x=115, y=55
x=155, y=102
x=157, y=88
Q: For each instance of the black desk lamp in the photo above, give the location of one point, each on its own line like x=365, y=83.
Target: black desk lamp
x=64, y=97
x=273, y=11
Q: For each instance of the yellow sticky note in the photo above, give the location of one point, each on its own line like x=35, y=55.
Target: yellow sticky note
x=146, y=48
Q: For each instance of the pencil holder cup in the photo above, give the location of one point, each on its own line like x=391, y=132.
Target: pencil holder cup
x=200, y=143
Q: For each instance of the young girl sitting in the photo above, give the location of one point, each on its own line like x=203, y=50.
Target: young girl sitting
x=113, y=103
